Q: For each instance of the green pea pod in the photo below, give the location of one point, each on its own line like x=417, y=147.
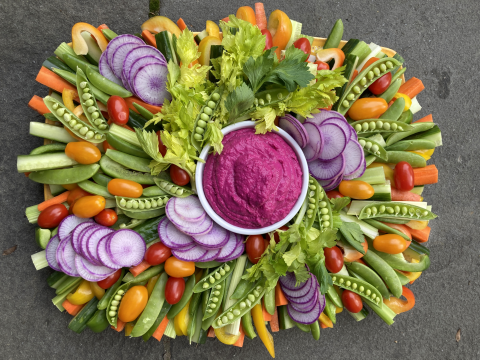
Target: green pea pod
x=303, y=327
x=373, y=147
x=187, y=294
x=334, y=297
x=74, y=62
x=163, y=312
x=242, y=288
x=101, y=179
x=64, y=176
x=205, y=294
x=386, y=228
x=269, y=301
x=126, y=147
x=369, y=127
x=398, y=74
x=145, y=214
x=129, y=161
x=415, y=128
x=192, y=322
x=360, y=287
x=196, y=297
x=416, y=247
x=144, y=112
x=105, y=85
x=46, y=149
x=79, y=322
x=202, y=265
x=369, y=276
x=313, y=197
x=406, y=117
x=215, y=277
x=109, y=34
x=315, y=329
x=247, y=325
x=102, y=304
x=409, y=145
x=284, y=320
x=98, y=322
x=156, y=191
x=141, y=204
x=165, y=183
x=214, y=300
x=403, y=279
x=330, y=310
x=395, y=110
x=95, y=189
x=397, y=210
x=385, y=271
x=89, y=103
x=115, y=170
x=124, y=222
x=398, y=262
x=388, y=94
x=392, y=221
x=144, y=276
x=325, y=215
x=335, y=36
x=209, y=321
x=198, y=325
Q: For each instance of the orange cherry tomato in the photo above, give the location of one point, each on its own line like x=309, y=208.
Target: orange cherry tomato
x=69, y=186
x=106, y=217
x=390, y=244
x=367, y=108
x=280, y=27
x=83, y=152
x=246, y=13
x=356, y=189
x=88, y=206
x=133, y=303
x=127, y=188
x=76, y=194
x=179, y=268
x=179, y=176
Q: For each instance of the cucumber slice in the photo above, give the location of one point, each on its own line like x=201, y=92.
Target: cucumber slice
x=382, y=193
x=296, y=31
x=418, y=190
x=51, y=132
x=415, y=107
x=42, y=237
x=200, y=36
x=29, y=163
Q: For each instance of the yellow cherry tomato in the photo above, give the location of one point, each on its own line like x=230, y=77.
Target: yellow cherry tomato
x=408, y=101
x=246, y=13
x=82, y=295
x=204, y=48
x=88, y=206
x=97, y=290
x=179, y=268
x=389, y=175
x=213, y=29
x=83, y=152
x=127, y=188
x=417, y=224
x=390, y=243
x=70, y=186
x=425, y=153
x=128, y=328
x=183, y=318
x=176, y=326
x=227, y=339
x=133, y=303
x=367, y=108
x=356, y=189
x=280, y=27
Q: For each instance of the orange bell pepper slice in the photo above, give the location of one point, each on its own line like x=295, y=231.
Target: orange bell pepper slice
x=280, y=27
x=399, y=306
x=326, y=55
x=246, y=13
x=78, y=43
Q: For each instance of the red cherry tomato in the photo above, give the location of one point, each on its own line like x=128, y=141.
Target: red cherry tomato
x=157, y=254
x=162, y=148
x=51, y=216
x=255, y=247
x=352, y=301
x=268, y=40
x=117, y=110
x=174, y=290
x=404, y=177
x=106, y=217
x=333, y=194
x=303, y=44
x=109, y=281
x=322, y=65
x=333, y=259
x=179, y=176
x=276, y=237
x=380, y=85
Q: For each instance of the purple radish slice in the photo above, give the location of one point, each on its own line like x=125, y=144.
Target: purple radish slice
x=357, y=173
x=354, y=157
x=77, y=232
x=216, y=238
x=119, y=41
x=176, y=238
x=210, y=255
x=289, y=282
x=189, y=208
x=187, y=248
x=103, y=254
x=315, y=143
x=51, y=253
x=327, y=170
x=295, y=129
x=353, y=134
x=92, y=244
x=306, y=318
x=68, y=224
x=330, y=182
x=91, y=272
x=194, y=254
x=66, y=257
x=342, y=123
x=149, y=83
x=106, y=71
x=119, y=55
x=323, y=115
x=308, y=306
x=138, y=53
x=334, y=141
x=83, y=238
x=304, y=295
x=334, y=184
x=228, y=248
x=147, y=60
x=190, y=228
x=236, y=253
x=126, y=248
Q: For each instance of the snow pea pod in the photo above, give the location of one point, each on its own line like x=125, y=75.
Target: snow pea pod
x=303, y=327
x=65, y=176
x=394, y=157
x=101, y=179
x=406, y=117
x=372, y=147
x=72, y=79
x=214, y=300
x=145, y=214
x=335, y=36
x=124, y=222
x=247, y=325
x=334, y=297
x=360, y=287
x=129, y=161
x=386, y=228
x=45, y=149
x=398, y=74
x=102, y=304
x=144, y=112
x=204, y=265
x=330, y=310
x=269, y=301
x=187, y=294
x=74, y=62
x=403, y=279
x=369, y=276
x=392, y=220
x=315, y=330
x=125, y=147
x=384, y=270
x=398, y=262
x=165, y=183
x=156, y=191
x=163, y=312
x=370, y=127
x=243, y=285
x=395, y=110
x=409, y=145
x=89, y=103
x=314, y=193
x=105, y=85
x=414, y=129
x=388, y=94
x=109, y=34
x=395, y=209
x=115, y=170
x=98, y=321
x=96, y=189
x=149, y=230
x=215, y=277
x=325, y=216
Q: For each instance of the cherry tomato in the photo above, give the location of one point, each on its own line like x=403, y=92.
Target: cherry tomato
x=133, y=303
x=179, y=268
x=70, y=186
x=179, y=176
x=333, y=259
x=404, y=177
x=83, y=152
x=162, y=148
x=255, y=247
x=367, y=108
x=127, y=188
x=380, y=85
x=303, y=44
x=369, y=62
x=276, y=237
x=109, y=281
x=322, y=65
x=157, y=254
x=268, y=39
x=107, y=217
x=52, y=215
x=174, y=290
x=118, y=110
x=356, y=189
x=390, y=244
x=88, y=206
x=76, y=194
x=333, y=194
x=400, y=227
x=352, y=301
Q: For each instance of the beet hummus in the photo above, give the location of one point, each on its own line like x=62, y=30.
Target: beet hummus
x=255, y=181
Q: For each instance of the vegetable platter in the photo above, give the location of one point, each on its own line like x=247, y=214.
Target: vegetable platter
x=132, y=246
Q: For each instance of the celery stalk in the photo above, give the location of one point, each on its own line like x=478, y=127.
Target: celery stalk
x=40, y=260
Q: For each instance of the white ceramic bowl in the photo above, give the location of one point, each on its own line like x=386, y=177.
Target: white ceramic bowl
x=218, y=219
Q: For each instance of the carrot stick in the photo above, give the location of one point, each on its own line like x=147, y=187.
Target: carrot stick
x=71, y=308
x=226, y=19
x=426, y=175
x=137, y=270
x=211, y=332
x=421, y=235
x=412, y=87
x=152, y=108
x=399, y=195
x=53, y=81
x=427, y=118
x=149, y=38
x=36, y=103
x=161, y=329
x=53, y=201
x=103, y=26
x=280, y=298
x=181, y=24
x=260, y=16
x=120, y=326
x=266, y=315
x=274, y=324
x=239, y=342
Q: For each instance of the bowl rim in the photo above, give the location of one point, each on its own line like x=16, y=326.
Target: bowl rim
x=236, y=229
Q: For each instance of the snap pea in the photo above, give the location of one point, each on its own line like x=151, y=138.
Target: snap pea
x=53, y=62
x=89, y=103
x=269, y=97
x=206, y=265
x=144, y=276
x=269, y=301
x=330, y=310
x=414, y=129
x=386, y=228
x=101, y=179
x=50, y=117
x=72, y=79
x=370, y=127
x=64, y=176
x=214, y=300
x=126, y=147
x=129, y=161
x=403, y=279
x=303, y=327
x=96, y=189
x=141, y=203
x=109, y=34
x=372, y=147
x=396, y=209
x=215, y=277
x=284, y=319
x=145, y=214
x=105, y=85
x=98, y=322
x=364, y=79
x=187, y=294
x=395, y=110
x=79, y=322
x=102, y=304
x=152, y=309
x=115, y=170
x=315, y=330
x=359, y=287
x=195, y=329
x=75, y=62
x=388, y=94
x=398, y=262
x=325, y=216
x=124, y=222
x=165, y=183
x=155, y=191
x=81, y=129
x=369, y=276
x=149, y=230
x=196, y=297
x=192, y=322
x=347, y=236
x=334, y=297
x=247, y=325
x=384, y=270
x=144, y=112
x=418, y=248
x=50, y=148
x=335, y=36
x=392, y=220
x=369, y=159
x=314, y=193
x=408, y=145
x=163, y=312
x=398, y=74
x=406, y=117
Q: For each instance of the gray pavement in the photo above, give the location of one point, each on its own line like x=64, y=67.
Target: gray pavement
x=439, y=41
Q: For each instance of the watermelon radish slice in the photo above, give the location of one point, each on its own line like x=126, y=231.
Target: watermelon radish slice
x=126, y=247
x=342, y=123
x=91, y=272
x=195, y=254
x=119, y=41
x=357, y=173
x=138, y=53
x=106, y=71
x=77, y=232
x=238, y=250
x=172, y=237
x=103, y=254
x=68, y=224
x=327, y=170
x=315, y=143
x=324, y=115
x=66, y=257
x=228, y=248
x=190, y=228
x=216, y=238
x=51, y=253
x=149, y=83
x=189, y=208
x=295, y=129
x=334, y=141
x=119, y=55
x=129, y=73
x=92, y=244
x=354, y=157
x=309, y=317
x=211, y=255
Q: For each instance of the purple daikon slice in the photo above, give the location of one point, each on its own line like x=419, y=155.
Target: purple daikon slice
x=119, y=41
x=216, y=238
x=194, y=254
x=327, y=170
x=91, y=272
x=315, y=143
x=68, y=224
x=103, y=254
x=189, y=228
x=354, y=157
x=77, y=232
x=66, y=257
x=189, y=208
x=228, y=248
x=92, y=244
x=106, y=71
x=149, y=83
x=295, y=129
x=334, y=141
x=126, y=248
x=307, y=318
x=119, y=55
x=172, y=237
x=210, y=255
x=51, y=253
x=342, y=123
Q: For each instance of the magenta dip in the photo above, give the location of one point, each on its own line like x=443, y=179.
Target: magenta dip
x=255, y=181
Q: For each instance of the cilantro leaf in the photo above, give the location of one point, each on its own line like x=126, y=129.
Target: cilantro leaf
x=238, y=101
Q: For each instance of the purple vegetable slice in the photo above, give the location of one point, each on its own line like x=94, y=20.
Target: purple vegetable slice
x=103, y=254
x=315, y=143
x=334, y=141
x=210, y=255
x=149, y=83
x=126, y=248
x=194, y=254
x=324, y=115
x=106, y=71
x=334, y=184
x=186, y=248
x=354, y=158
x=327, y=170
x=138, y=53
x=172, y=237
x=119, y=55
x=66, y=257
x=92, y=244
x=82, y=240
x=306, y=318
x=136, y=66
x=240, y=248
x=190, y=228
x=68, y=224
x=295, y=129
x=51, y=253
x=357, y=173
x=228, y=248
x=216, y=238
x=77, y=232
x=91, y=272
x=304, y=295
x=288, y=282
x=342, y=123
x=117, y=42
x=307, y=306
x=189, y=208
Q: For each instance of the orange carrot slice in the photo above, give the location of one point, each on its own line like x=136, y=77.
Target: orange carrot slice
x=426, y=175
x=161, y=329
x=412, y=87
x=53, y=201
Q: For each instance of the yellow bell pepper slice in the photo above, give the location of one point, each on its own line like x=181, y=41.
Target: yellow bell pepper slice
x=82, y=295
x=97, y=290
x=338, y=310
x=158, y=24
x=182, y=319
x=213, y=29
x=417, y=224
x=67, y=98
x=176, y=325
x=204, y=48
x=227, y=339
x=151, y=284
x=128, y=328
x=263, y=333
x=78, y=42
x=408, y=101
x=325, y=320
x=425, y=153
